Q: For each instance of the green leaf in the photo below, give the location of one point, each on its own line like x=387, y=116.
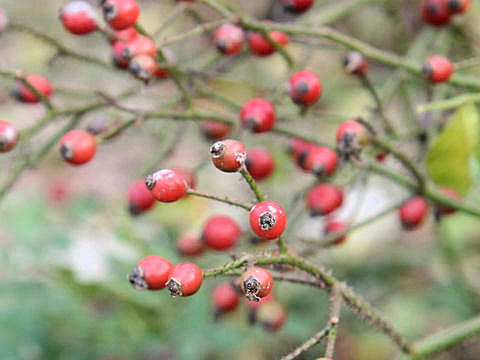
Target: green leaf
x=448, y=160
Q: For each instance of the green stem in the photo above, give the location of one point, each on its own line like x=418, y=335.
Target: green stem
x=315, y=339
x=252, y=184
x=220, y=199
x=451, y=103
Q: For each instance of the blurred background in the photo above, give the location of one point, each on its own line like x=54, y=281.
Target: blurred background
x=67, y=240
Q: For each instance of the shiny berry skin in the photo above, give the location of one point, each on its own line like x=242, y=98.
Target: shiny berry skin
x=120, y=14
x=143, y=67
x=435, y=12
x=214, y=130
x=39, y=82
x=260, y=163
x=8, y=136
x=437, y=69
x=351, y=138
x=321, y=161
x=185, y=173
x=304, y=88
x=322, y=199
x=268, y=220
x=118, y=54
x=152, y=273
x=355, y=63
x=297, y=6
x=457, y=6
x=185, y=279
x=271, y=316
x=259, y=45
x=256, y=283
x=77, y=146
x=225, y=298
x=412, y=213
x=190, y=245
x=166, y=185
x=334, y=226
x=220, y=233
x=257, y=115
x=3, y=20
x=140, y=199
x=123, y=35
x=79, y=17
x=228, y=155
x=444, y=209
x=139, y=45
x=229, y=39
x=299, y=150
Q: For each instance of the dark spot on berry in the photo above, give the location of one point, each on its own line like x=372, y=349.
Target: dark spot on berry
x=289, y=6
x=127, y=54
x=66, y=151
x=319, y=171
x=453, y=5
x=302, y=158
x=175, y=287
x=3, y=142
x=427, y=69
x=316, y=212
x=134, y=210
x=149, y=182
x=251, y=124
x=222, y=45
x=266, y=220
x=301, y=87
x=251, y=287
x=217, y=149
x=137, y=278
x=432, y=9
x=109, y=11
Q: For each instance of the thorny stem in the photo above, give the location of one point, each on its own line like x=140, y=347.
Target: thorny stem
x=336, y=306
x=315, y=339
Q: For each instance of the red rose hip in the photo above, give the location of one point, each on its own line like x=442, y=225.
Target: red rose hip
x=220, y=233
x=355, y=63
x=322, y=199
x=229, y=39
x=214, y=130
x=304, y=88
x=228, y=155
x=412, y=213
x=256, y=283
x=140, y=199
x=79, y=17
x=435, y=12
x=8, y=136
x=190, y=245
x=257, y=115
x=297, y=6
x=333, y=227
x=120, y=14
x=185, y=279
x=39, y=82
x=151, y=273
x=166, y=185
x=437, y=69
x=77, y=147
x=259, y=163
x=225, y=298
x=260, y=46
x=321, y=161
x=268, y=220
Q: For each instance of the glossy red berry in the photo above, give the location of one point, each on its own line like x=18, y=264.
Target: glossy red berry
x=190, y=245
x=152, y=272
x=143, y=67
x=123, y=35
x=185, y=279
x=256, y=283
x=77, y=146
x=118, y=54
x=8, y=136
x=225, y=298
x=435, y=12
x=260, y=163
x=412, y=213
x=271, y=316
x=321, y=160
x=214, y=130
x=166, y=185
x=185, y=173
x=39, y=82
x=259, y=45
x=140, y=199
x=299, y=150
x=322, y=199
x=120, y=14
x=229, y=39
x=3, y=20
x=304, y=88
x=458, y=6
x=355, y=63
x=445, y=209
x=257, y=115
x=139, y=45
x=333, y=227
x=228, y=155
x=268, y=220
x=351, y=137
x=79, y=17
x=297, y=6
x=221, y=233
x=437, y=69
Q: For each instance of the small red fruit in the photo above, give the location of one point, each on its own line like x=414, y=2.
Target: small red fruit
x=259, y=163
x=229, y=39
x=220, y=233
x=118, y=51
x=304, y=88
x=271, y=316
x=190, y=245
x=214, y=130
x=299, y=150
x=39, y=82
x=435, y=12
x=355, y=63
x=412, y=213
x=140, y=199
x=79, y=17
x=256, y=283
x=332, y=227
x=143, y=67
x=225, y=298
x=139, y=45
x=259, y=45
x=166, y=185
x=152, y=272
x=458, y=6
x=322, y=199
x=185, y=279
x=437, y=69
x=8, y=136
x=120, y=14
x=321, y=160
x=187, y=174
x=268, y=220
x=228, y=155
x=297, y=6
x=258, y=115
x=77, y=146
x=351, y=137
x=445, y=209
